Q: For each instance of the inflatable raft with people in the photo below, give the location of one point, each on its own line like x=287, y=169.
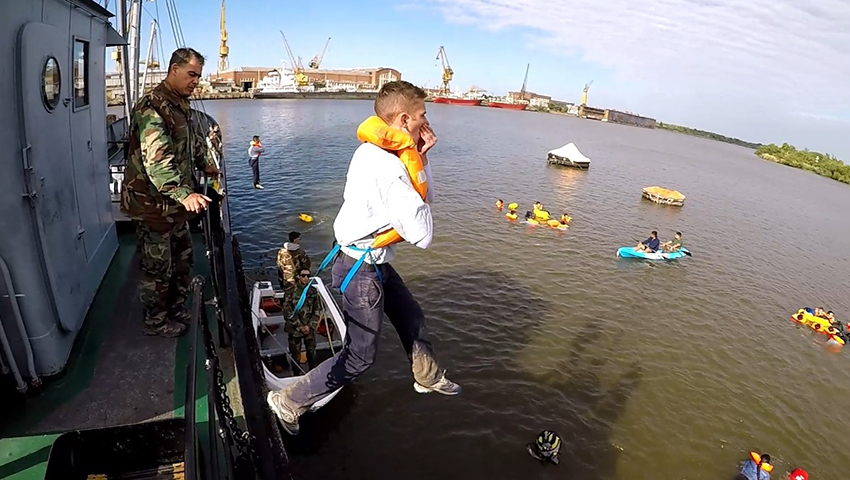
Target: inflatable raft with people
x=820, y=322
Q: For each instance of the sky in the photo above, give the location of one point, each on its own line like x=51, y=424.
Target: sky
x=768, y=71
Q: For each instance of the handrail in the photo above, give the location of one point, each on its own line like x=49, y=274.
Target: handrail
x=191, y=448
x=259, y=449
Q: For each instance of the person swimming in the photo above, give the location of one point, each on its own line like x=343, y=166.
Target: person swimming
x=500, y=204
x=546, y=448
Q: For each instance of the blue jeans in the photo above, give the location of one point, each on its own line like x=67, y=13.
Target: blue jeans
x=255, y=169
x=365, y=301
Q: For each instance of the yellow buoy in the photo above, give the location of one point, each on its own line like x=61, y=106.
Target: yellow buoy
x=306, y=218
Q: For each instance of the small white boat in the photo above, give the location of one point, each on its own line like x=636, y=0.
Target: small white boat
x=268, y=320
x=569, y=156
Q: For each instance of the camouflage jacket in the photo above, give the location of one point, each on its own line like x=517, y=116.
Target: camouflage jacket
x=160, y=160
x=291, y=261
x=308, y=315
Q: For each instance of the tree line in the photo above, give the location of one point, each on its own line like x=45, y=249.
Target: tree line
x=821, y=163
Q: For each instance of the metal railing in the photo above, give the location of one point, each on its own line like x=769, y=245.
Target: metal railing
x=257, y=452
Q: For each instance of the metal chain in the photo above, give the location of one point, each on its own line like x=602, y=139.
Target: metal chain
x=241, y=438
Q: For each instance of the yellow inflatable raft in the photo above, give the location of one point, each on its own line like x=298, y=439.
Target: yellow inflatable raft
x=664, y=196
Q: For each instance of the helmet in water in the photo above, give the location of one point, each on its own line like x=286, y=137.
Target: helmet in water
x=547, y=446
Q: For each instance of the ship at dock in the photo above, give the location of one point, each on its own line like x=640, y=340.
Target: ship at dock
x=472, y=97
x=507, y=105
x=513, y=102
x=457, y=100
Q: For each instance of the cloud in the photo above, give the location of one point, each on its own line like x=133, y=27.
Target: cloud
x=782, y=56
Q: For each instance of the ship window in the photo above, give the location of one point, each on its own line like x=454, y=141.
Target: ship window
x=50, y=83
x=81, y=73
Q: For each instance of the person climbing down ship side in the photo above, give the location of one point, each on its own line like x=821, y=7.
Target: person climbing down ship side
x=383, y=204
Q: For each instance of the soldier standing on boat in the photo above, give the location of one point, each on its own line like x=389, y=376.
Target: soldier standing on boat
x=159, y=195
x=291, y=259
x=303, y=324
x=385, y=202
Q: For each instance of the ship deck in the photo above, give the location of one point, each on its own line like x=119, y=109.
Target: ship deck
x=116, y=375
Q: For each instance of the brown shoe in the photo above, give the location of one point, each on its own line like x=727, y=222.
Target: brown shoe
x=167, y=329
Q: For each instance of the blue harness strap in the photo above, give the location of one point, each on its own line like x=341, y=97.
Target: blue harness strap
x=328, y=259
x=357, y=265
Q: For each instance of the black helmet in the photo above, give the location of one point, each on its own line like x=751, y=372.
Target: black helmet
x=548, y=443
x=546, y=447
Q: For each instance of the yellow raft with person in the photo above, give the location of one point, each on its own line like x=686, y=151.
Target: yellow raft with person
x=818, y=324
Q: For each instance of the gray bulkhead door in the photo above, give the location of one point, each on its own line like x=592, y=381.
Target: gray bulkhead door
x=51, y=179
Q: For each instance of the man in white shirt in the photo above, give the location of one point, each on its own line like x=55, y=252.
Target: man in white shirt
x=379, y=195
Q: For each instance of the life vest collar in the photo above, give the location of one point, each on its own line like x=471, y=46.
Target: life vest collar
x=757, y=459
x=376, y=131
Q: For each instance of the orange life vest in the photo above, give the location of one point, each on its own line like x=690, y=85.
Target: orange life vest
x=376, y=131
x=757, y=459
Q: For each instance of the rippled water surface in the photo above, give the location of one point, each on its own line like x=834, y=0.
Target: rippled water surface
x=647, y=370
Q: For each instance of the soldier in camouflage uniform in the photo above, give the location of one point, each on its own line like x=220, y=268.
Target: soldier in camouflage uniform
x=158, y=192
x=290, y=259
x=302, y=327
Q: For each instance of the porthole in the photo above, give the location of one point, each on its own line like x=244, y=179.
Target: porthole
x=50, y=83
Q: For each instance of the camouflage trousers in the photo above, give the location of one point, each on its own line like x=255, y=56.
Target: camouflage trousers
x=166, y=259
x=309, y=345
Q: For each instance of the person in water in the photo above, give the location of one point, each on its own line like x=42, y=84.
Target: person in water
x=673, y=245
x=565, y=219
x=512, y=211
x=539, y=212
x=500, y=204
x=650, y=244
x=379, y=198
x=757, y=467
x=546, y=447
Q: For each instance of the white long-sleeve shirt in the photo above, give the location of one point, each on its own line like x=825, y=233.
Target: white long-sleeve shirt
x=378, y=195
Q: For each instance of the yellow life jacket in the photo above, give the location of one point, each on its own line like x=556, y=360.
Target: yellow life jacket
x=376, y=131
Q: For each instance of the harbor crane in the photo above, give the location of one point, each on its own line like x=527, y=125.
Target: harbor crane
x=584, y=93
x=447, y=71
x=524, y=82
x=223, y=49
x=316, y=62
x=301, y=78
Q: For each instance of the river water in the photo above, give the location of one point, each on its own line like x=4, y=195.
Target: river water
x=647, y=370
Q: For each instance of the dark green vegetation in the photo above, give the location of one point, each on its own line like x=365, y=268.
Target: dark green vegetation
x=709, y=135
x=820, y=163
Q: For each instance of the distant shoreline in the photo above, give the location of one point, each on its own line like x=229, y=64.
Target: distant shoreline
x=822, y=164
x=709, y=135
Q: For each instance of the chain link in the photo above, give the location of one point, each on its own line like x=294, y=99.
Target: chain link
x=241, y=438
